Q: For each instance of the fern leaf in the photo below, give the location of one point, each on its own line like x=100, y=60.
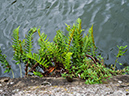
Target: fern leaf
x=91, y=38
x=38, y=59
x=68, y=60
x=91, y=32
x=29, y=39
x=17, y=46
x=4, y=62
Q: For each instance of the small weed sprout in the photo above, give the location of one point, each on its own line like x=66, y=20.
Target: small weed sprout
x=121, y=52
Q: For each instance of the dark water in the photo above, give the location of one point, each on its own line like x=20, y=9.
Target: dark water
x=109, y=17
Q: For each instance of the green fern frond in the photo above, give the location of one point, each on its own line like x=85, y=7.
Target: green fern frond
x=38, y=59
x=68, y=60
x=60, y=41
x=75, y=41
x=71, y=33
x=38, y=74
x=15, y=39
x=28, y=40
x=86, y=42
x=91, y=43
x=5, y=64
x=42, y=40
x=17, y=46
x=92, y=36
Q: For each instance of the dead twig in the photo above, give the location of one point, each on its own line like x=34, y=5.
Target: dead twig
x=33, y=68
x=95, y=60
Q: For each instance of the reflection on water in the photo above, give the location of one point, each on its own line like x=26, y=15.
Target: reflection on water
x=110, y=20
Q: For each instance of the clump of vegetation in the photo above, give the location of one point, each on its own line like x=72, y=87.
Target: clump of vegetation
x=69, y=56
x=5, y=64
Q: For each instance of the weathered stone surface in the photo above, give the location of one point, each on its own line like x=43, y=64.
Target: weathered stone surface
x=9, y=86
x=4, y=79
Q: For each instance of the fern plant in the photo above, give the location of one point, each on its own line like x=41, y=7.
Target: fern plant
x=22, y=48
x=5, y=64
x=28, y=48
x=83, y=48
x=17, y=46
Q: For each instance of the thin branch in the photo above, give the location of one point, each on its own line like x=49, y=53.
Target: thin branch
x=33, y=68
x=91, y=58
x=26, y=69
